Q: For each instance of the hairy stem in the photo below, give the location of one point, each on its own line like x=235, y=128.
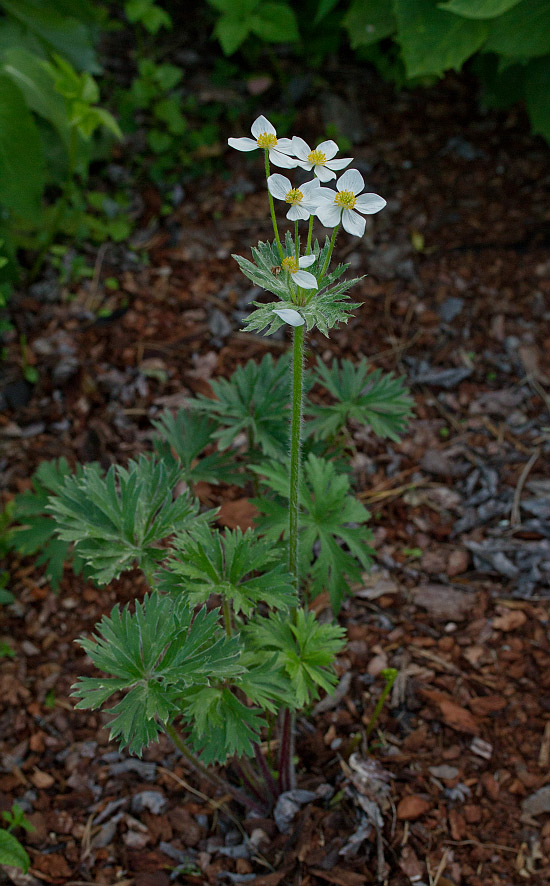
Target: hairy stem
x=295, y=452
x=208, y=774
x=329, y=253
x=296, y=241
x=309, y=234
x=272, y=207
x=264, y=769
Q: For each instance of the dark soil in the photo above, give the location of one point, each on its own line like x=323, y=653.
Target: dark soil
x=457, y=298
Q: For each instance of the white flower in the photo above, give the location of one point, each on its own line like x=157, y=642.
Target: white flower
x=265, y=136
x=303, y=200
x=294, y=267
x=345, y=204
x=293, y=318
x=320, y=160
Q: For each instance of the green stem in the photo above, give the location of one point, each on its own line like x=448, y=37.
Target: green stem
x=295, y=446
x=389, y=675
x=272, y=207
x=331, y=247
x=296, y=241
x=309, y=234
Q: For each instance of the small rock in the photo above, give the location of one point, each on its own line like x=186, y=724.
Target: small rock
x=152, y=801
x=457, y=563
x=444, y=603
x=538, y=803
x=444, y=771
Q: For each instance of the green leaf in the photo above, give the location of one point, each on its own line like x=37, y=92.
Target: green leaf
x=12, y=852
x=432, y=41
x=275, y=23
x=331, y=517
x=185, y=436
x=154, y=655
x=118, y=521
x=254, y=401
x=306, y=650
x=323, y=9
x=537, y=94
x=369, y=22
x=231, y=32
x=363, y=395
x=22, y=175
x=243, y=569
x=478, y=8
x=59, y=31
x=522, y=32
x=33, y=78
x=221, y=725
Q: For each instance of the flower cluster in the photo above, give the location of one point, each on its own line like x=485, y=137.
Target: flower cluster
x=332, y=208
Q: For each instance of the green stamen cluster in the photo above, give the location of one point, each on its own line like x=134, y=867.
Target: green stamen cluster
x=290, y=264
x=266, y=140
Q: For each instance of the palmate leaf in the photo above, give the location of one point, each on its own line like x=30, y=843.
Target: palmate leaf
x=117, y=521
x=221, y=725
x=254, y=400
x=187, y=434
x=154, y=655
x=306, y=650
x=242, y=568
x=362, y=394
x=330, y=517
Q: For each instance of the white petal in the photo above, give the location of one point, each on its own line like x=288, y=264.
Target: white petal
x=280, y=159
x=339, y=164
x=285, y=145
x=326, y=194
x=298, y=211
x=293, y=318
x=304, y=164
x=311, y=205
x=352, y=180
x=278, y=185
x=242, y=144
x=306, y=260
x=300, y=147
x=328, y=148
x=310, y=189
x=304, y=279
x=328, y=214
x=324, y=174
x=353, y=223
x=261, y=124
x=369, y=203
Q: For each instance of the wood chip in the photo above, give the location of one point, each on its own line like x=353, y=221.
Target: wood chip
x=412, y=807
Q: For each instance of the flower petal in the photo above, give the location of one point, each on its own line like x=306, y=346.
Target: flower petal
x=353, y=223
x=304, y=164
x=369, y=203
x=324, y=174
x=280, y=159
x=261, y=124
x=328, y=214
x=339, y=164
x=278, y=186
x=326, y=194
x=351, y=180
x=306, y=260
x=299, y=211
x=328, y=148
x=285, y=146
x=242, y=144
x=293, y=318
x=305, y=280
x=310, y=189
x=300, y=147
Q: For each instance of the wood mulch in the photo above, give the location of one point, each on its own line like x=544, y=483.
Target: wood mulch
x=455, y=785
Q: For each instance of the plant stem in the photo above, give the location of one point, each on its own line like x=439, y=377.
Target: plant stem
x=295, y=452
x=389, y=675
x=272, y=207
x=264, y=769
x=210, y=776
x=296, y=241
x=287, y=776
x=331, y=247
x=309, y=234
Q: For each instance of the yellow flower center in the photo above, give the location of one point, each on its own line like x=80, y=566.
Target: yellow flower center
x=290, y=264
x=294, y=196
x=317, y=158
x=266, y=140
x=345, y=199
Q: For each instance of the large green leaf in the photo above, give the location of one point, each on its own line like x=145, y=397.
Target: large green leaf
x=537, y=94
x=22, y=175
x=432, y=41
x=33, y=78
x=522, y=32
x=12, y=853
x=59, y=31
x=478, y=8
x=275, y=22
x=368, y=21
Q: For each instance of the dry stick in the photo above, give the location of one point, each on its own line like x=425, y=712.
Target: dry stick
x=515, y=518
